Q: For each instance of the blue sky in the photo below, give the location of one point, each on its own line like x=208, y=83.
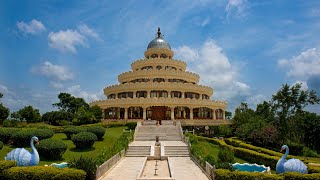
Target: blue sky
x=245, y=50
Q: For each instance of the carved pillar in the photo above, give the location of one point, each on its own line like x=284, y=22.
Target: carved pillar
x=144, y=113
x=134, y=94
x=182, y=94
x=191, y=113
x=125, y=113
x=172, y=113
x=224, y=115
x=118, y=113
x=148, y=94
x=214, y=114
x=169, y=94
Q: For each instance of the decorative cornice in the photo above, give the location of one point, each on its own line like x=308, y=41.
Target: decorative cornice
x=158, y=61
x=148, y=86
x=166, y=74
x=170, y=102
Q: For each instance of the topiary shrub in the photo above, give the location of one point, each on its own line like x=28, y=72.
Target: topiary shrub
x=22, y=138
x=6, y=165
x=6, y=133
x=131, y=125
x=1, y=145
x=84, y=140
x=98, y=131
x=42, y=172
x=85, y=163
x=70, y=131
x=51, y=149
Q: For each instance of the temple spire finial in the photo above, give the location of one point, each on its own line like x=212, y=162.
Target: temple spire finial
x=159, y=33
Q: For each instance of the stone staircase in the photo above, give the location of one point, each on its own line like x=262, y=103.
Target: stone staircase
x=168, y=132
x=176, y=151
x=138, y=151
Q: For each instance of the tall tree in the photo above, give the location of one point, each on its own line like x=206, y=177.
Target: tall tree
x=29, y=114
x=4, y=111
x=289, y=101
x=70, y=103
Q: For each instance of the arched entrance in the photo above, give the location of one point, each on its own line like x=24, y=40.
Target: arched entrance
x=158, y=113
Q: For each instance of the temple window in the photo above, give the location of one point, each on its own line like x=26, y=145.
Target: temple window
x=159, y=94
x=141, y=94
x=158, y=80
x=112, y=96
x=170, y=68
x=163, y=56
x=204, y=96
x=176, y=94
x=154, y=55
x=159, y=67
x=147, y=68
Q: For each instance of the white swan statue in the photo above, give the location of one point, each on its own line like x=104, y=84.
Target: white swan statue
x=292, y=165
x=23, y=156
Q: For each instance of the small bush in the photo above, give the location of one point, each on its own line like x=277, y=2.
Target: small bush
x=299, y=176
x=131, y=125
x=223, y=174
x=6, y=133
x=51, y=149
x=22, y=138
x=295, y=149
x=84, y=140
x=70, y=131
x=42, y=172
x=110, y=124
x=1, y=145
x=210, y=159
x=313, y=169
x=98, y=131
x=10, y=123
x=225, y=156
x=86, y=164
x=64, y=123
x=310, y=153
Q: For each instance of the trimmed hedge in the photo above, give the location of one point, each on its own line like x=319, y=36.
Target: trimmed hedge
x=313, y=169
x=84, y=140
x=131, y=125
x=223, y=174
x=299, y=176
x=42, y=172
x=51, y=149
x=22, y=138
x=98, y=131
x=6, y=133
x=1, y=145
x=6, y=165
x=70, y=131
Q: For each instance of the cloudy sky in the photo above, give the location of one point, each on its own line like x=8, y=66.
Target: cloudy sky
x=243, y=49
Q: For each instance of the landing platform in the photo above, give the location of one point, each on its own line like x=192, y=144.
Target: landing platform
x=163, y=143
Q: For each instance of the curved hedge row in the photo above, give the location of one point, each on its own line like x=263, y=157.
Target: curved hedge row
x=98, y=131
x=51, y=149
x=70, y=131
x=222, y=174
x=42, y=172
x=22, y=138
x=6, y=165
x=6, y=133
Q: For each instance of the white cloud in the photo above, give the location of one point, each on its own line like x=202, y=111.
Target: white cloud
x=78, y=92
x=236, y=8
x=304, y=85
x=66, y=41
x=215, y=70
x=303, y=66
x=33, y=27
x=3, y=89
x=85, y=30
x=53, y=72
x=256, y=99
x=56, y=85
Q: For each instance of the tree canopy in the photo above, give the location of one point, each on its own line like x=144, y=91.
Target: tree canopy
x=70, y=103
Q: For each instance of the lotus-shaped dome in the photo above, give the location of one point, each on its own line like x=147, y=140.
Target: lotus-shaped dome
x=159, y=42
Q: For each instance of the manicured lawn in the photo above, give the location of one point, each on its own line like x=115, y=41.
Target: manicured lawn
x=109, y=139
x=205, y=148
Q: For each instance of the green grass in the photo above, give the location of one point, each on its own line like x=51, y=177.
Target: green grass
x=109, y=139
x=205, y=148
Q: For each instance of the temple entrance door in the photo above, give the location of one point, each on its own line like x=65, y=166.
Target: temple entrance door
x=158, y=112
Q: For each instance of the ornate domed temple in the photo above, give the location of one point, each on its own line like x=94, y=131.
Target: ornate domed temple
x=159, y=88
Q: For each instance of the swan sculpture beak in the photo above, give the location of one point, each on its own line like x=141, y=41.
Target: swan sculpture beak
x=37, y=142
x=282, y=149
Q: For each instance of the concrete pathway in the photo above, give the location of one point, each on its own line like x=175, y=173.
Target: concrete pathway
x=127, y=169
x=183, y=168
x=163, y=143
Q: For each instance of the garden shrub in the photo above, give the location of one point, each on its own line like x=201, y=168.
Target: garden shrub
x=42, y=172
x=10, y=123
x=299, y=176
x=6, y=133
x=1, y=145
x=131, y=125
x=310, y=153
x=98, y=131
x=22, y=138
x=84, y=140
x=51, y=149
x=225, y=155
x=313, y=169
x=296, y=149
x=6, y=165
x=210, y=159
x=86, y=164
x=110, y=124
x=72, y=130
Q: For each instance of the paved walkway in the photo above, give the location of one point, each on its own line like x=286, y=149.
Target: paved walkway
x=127, y=169
x=183, y=168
